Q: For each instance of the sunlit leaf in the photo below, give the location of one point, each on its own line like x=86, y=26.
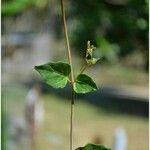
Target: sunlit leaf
x=54, y=74
x=84, y=84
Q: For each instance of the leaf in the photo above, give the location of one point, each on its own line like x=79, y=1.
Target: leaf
x=93, y=147
x=54, y=74
x=84, y=84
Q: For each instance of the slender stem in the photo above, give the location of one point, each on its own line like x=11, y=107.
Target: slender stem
x=83, y=68
x=71, y=119
x=72, y=76
x=67, y=39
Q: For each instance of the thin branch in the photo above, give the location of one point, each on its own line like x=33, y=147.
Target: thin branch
x=72, y=76
x=67, y=40
x=84, y=68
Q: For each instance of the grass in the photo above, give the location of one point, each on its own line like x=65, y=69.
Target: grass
x=118, y=75
x=91, y=123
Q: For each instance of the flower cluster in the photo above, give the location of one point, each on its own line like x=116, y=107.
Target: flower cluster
x=89, y=54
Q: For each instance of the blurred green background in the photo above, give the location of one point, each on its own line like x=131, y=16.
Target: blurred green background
x=32, y=34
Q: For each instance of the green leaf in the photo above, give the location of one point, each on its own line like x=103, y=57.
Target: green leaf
x=84, y=84
x=93, y=147
x=54, y=74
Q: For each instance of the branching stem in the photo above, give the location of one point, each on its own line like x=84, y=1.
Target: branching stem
x=84, y=68
x=72, y=75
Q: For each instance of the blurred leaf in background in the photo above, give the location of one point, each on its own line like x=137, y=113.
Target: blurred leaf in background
x=116, y=27
x=10, y=8
x=107, y=50
x=122, y=22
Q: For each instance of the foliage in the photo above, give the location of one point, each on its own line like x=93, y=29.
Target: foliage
x=107, y=50
x=84, y=84
x=10, y=8
x=123, y=24
x=93, y=147
x=57, y=74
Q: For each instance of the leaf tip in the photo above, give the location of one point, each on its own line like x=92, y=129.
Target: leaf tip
x=35, y=67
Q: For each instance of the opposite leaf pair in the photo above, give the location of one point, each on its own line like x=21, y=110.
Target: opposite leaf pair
x=57, y=76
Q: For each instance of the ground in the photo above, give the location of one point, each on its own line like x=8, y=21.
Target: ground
x=91, y=123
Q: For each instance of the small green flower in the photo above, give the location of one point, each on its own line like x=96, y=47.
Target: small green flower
x=89, y=54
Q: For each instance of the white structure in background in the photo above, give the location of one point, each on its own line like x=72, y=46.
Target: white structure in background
x=120, y=139
x=34, y=110
x=16, y=133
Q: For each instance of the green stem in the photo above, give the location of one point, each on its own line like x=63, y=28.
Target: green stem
x=84, y=68
x=72, y=76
